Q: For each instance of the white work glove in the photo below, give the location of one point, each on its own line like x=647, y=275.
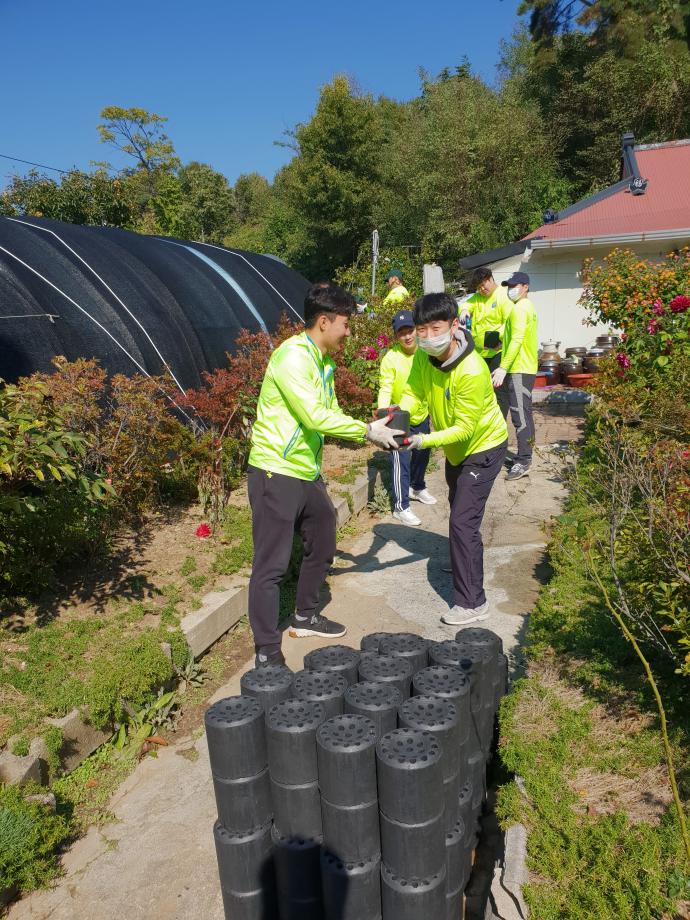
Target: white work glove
x=381, y=435
x=464, y=316
x=413, y=442
x=498, y=376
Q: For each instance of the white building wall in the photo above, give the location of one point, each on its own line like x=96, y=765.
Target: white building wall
x=556, y=287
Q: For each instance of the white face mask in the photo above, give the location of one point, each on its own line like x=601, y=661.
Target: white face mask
x=514, y=293
x=436, y=345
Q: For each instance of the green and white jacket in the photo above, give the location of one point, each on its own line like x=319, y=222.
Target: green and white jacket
x=297, y=408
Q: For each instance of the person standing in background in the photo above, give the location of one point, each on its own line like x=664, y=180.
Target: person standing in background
x=518, y=369
x=408, y=467
x=488, y=307
x=398, y=293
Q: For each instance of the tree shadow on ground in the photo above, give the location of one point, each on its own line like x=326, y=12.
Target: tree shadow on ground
x=119, y=571
x=416, y=544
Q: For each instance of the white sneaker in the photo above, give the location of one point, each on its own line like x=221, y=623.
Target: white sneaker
x=461, y=616
x=407, y=517
x=423, y=495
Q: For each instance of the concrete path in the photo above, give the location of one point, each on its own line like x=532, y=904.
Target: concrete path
x=157, y=859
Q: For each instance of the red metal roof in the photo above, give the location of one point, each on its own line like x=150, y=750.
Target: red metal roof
x=664, y=206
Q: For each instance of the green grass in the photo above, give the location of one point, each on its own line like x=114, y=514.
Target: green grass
x=29, y=838
x=349, y=475
x=237, y=530
x=94, y=662
x=563, y=722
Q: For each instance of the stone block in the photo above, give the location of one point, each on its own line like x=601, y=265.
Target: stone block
x=219, y=612
x=79, y=739
x=362, y=492
x=15, y=770
x=342, y=510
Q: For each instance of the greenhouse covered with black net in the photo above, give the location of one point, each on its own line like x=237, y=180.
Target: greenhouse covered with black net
x=138, y=304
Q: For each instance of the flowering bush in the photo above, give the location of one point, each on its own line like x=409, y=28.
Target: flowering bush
x=639, y=457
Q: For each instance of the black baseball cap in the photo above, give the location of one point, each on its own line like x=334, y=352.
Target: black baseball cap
x=516, y=278
x=402, y=319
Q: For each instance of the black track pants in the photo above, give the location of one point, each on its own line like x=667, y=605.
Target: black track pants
x=282, y=505
x=520, y=388
x=469, y=486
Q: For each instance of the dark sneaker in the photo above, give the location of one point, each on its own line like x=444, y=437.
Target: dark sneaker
x=517, y=471
x=316, y=625
x=265, y=659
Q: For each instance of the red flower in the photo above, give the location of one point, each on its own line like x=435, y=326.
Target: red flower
x=203, y=530
x=382, y=341
x=658, y=308
x=680, y=304
x=653, y=326
x=623, y=360
x=370, y=353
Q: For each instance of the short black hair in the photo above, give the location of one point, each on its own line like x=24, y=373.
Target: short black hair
x=331, y=299
x=434, y=307
x=478, y=276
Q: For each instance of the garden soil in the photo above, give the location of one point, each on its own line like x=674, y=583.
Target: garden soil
x=156, y=859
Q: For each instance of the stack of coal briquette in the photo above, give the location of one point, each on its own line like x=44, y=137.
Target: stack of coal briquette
x=353, y=789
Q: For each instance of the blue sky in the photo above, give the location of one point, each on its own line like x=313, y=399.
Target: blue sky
x=230, y=76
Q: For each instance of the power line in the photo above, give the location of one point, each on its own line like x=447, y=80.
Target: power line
x=65, y=172
x=6, y=156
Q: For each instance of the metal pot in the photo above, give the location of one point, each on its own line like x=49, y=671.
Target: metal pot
x=580, y=350
x=552, y=374
x=597, y=352
x=570, y=367
x=610, y=340
x=591, y=364
x=550, y=345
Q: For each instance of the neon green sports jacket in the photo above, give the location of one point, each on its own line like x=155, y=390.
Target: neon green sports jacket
x=297, y=407
x=396, y=295
x=395, y=369
x=520, y=346
x=461, y=402
x=489, y=314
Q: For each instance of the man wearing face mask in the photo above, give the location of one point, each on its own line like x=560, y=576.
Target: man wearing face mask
x=518, y=369
x=455, y=381
x=297, y=407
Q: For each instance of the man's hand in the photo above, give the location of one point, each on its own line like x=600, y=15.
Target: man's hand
x=381, y=435
x=413, y=442
x=498, y=376
x=464, y=316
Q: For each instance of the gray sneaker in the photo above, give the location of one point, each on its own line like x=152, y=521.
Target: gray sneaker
x=517, y=471
x=461, y=616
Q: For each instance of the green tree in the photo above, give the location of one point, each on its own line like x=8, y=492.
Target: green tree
x=590, y=93
x=78, y=198
x=208, y=203
x=140, y=135
x=326, y=196
x=472, y=169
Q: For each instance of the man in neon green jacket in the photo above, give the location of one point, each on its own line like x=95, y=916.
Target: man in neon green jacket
x=398, y=293
x=488, y=308
x=469, y=426
x=518, y=369
x=297, y=408
x=408, y=467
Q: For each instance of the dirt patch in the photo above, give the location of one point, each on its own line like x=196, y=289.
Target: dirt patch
x=644, y=798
